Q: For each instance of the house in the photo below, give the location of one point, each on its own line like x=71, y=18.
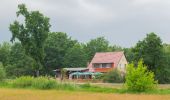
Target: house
x=107, y=61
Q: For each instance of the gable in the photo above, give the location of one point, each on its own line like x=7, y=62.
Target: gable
x=122, y=63
x=106, y=57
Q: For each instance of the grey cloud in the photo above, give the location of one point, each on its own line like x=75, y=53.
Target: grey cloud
x=122, y=22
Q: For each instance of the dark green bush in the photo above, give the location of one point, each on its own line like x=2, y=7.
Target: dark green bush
x=113, y=77
x=139, y=78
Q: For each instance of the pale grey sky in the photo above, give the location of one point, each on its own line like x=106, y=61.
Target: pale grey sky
x=122, y=22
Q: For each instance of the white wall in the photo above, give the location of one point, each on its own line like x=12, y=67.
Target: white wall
x=122, y=64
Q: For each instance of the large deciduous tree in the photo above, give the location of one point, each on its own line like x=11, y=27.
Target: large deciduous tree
x=56, y=47
x=150, y=49
x=32, y=34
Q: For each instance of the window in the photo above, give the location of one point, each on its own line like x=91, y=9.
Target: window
x=102, y=65
x=107, y=65
x=97, y=65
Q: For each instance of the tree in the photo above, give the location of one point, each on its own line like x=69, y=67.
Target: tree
x=19, y=64
x=130, y=55
x=99, y=44
x=4, y=53
x=163, y=72
x=32, y=34
x=139, y=78
x=115, y=48
x=150, y=49
x=2, y=72
x=56, y=47
x=75, y=57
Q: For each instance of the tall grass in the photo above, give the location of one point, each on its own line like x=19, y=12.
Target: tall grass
x=41, y=83
x=23, y=82
x=49, y=83
x=44, y=83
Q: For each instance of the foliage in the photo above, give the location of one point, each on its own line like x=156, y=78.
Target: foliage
x=75, y=57
x=130, y=55
x=32, y=34
x=20, y=63
x=113, y=77
x=99, y=44
x=4, y=53
x=150, y=49
x=163, y=72
x=56, y=46
x=2, y=72
x=139, y=78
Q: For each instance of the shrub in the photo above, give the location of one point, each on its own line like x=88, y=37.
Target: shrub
x=44, y=83
x=113, y=77
x=2, y=72
x=139, y=79
x=22, y=82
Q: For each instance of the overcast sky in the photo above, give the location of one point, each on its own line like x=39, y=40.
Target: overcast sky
x=122, y=22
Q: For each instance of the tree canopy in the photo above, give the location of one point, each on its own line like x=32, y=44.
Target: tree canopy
x=150, y=49
x=32, y=34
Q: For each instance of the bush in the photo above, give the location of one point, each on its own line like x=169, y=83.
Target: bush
x=44, y=83
x=139, y=79
x=113, y=77
x=2, y=72
x=23, y=82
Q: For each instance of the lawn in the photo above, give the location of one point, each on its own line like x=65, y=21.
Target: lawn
x=26, y=94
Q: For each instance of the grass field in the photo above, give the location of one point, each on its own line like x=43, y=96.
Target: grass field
x=24, y=94
x=118, y=86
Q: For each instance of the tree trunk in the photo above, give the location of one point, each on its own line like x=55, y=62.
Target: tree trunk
x=37, y=73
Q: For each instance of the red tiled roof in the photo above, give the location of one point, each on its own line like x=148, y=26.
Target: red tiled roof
x=107, y=57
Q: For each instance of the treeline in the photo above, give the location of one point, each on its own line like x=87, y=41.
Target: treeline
x=60, y=51
x=63, y=51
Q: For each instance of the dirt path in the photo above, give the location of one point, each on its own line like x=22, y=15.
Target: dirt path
x=19, y=94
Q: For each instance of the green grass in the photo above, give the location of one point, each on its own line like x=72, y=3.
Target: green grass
x=46, y=83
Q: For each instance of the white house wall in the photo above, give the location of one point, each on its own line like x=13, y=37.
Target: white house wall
x=122, y=64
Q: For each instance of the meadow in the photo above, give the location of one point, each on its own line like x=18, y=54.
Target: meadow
x=42, y=88
x=27, y=94
x=44, y=83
